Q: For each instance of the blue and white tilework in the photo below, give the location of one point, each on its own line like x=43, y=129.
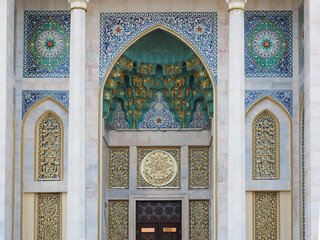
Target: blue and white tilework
x=199, y=119
x=284, y=97
x=301, y=37
x=282, y=21
x=159, y=116
x=117, y=30
x=31, y=97
x=118, y=119
x=32, y=67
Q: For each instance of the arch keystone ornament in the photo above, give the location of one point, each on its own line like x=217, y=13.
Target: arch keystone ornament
x=158, y=168
x=266, y=44
x=50, y=44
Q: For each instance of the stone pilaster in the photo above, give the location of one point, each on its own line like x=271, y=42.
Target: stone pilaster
x=312, y=117
x=76, y=223
x=236, y=124
x=6, y=117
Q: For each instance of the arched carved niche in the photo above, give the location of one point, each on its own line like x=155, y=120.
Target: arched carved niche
x=265, y=146
x=49, y=148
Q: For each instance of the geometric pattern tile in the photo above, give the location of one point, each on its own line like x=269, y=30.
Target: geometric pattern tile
x=268, y=44
x=31, y=97
x=118, y=168
x=118, y=219
x=46, y=44
x=159, y=115
x=119, y=29
x=284, y=97
x=301, y=36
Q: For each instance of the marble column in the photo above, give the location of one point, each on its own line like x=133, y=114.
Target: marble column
x=6, y=116
x=312, y=117
x=236, y=124
x=76, y=223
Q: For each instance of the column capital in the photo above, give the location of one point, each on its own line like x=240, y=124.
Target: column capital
x=78, y=4
x=236, y=4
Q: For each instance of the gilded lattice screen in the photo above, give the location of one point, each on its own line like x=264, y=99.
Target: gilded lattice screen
x=199, y=219
x=118, y=219
x=199, y=167
x=49, y=216
x=266, y=150
x=49, y=149
x=119, y=167
x=266, y=215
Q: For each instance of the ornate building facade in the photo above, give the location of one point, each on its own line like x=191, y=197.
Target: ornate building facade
x=173, y=119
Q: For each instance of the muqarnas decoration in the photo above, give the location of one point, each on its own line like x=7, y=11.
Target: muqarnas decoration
x=146, y=96
x=268, y=44
x=46, y=44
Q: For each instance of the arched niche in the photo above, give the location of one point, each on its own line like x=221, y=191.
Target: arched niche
x=271, y=106
x=159, y=82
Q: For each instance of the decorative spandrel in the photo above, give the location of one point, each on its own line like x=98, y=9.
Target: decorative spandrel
x=49, y=216
x=266, y=215
x=266, y=146
x=199, y=219
x=199, y=167
x=49, y=149
x=118, y=220
x=119, y=167
x=158, y=167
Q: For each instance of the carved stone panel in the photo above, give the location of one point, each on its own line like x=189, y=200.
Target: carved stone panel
x=49, y=149
x=199, y=167
x=266, y=215
x=158, y=167
x=266, y=146
x=199, y=219
x=49, y=216
x=119, y=167
x=118, y=220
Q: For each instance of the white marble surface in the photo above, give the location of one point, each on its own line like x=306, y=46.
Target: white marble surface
x=76, y=217
x=236, y=129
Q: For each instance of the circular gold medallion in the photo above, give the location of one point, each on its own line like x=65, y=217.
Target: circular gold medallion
x=158, y=168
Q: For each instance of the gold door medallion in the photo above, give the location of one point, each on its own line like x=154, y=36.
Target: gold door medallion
x=158, y=168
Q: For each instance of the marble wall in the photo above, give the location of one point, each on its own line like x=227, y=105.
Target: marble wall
x=59, y=83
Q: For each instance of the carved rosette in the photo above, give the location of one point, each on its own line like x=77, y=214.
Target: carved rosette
x=158, y=167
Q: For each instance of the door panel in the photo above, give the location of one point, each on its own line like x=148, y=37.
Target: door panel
x=147, y=232
x=170, y=231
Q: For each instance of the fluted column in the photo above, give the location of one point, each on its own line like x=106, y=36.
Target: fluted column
x=236, y=124
x=76, y=223
x=312, y=117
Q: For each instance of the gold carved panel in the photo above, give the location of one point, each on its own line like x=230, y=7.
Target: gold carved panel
x=199, y=167
x=49, y=216
x=158, y=167
x=199, y=219
x=266, y=146
x=49, y=148
x=119, y=167
x=118, y=220
x=266, y=215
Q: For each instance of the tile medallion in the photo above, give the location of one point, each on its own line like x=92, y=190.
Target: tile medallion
x=284, y=97
x=301, y=37
x=31, y=97
x=117, y=30
x=46, y=44
x=268, y=44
